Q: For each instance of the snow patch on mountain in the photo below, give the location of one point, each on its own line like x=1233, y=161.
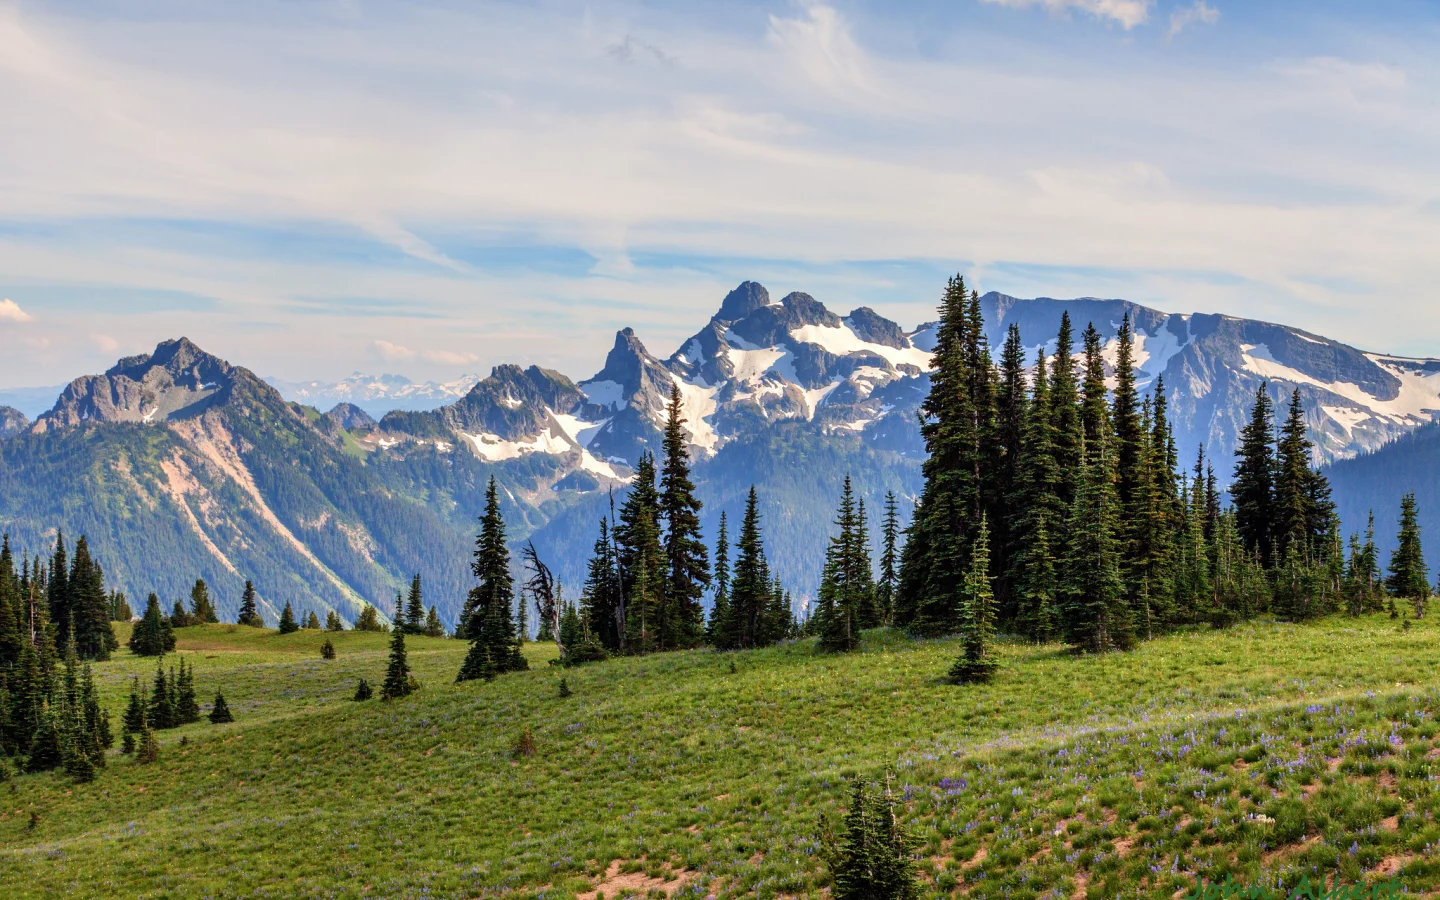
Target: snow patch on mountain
x=1417, y=401
x=841, y=340
x=697, y=405
x=609, y=394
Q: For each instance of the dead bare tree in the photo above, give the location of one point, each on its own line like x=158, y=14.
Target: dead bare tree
x=542, y=588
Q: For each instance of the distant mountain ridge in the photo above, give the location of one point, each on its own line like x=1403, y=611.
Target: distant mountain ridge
x=186, y=459
x=376, y=394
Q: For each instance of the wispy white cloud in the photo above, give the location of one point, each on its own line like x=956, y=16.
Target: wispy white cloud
x=449, y=357
x=1125, y=13
x=391, y=352
x=1198, y=12
x=10, y=311
x=104, y=343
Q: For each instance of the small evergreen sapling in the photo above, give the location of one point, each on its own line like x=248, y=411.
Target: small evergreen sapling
x=312, y=622
x=398, y=682
x=565, y=688
x=524, y=745
x=149, y=748
x=327, y=650
x=363, y=691
x=220, y=712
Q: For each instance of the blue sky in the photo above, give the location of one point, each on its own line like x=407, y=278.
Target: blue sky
x=313, y=188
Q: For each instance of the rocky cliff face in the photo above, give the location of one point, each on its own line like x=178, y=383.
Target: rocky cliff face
x=12, y=422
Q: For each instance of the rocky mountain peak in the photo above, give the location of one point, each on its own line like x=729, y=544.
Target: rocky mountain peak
x=742, y=301
x=12, y=422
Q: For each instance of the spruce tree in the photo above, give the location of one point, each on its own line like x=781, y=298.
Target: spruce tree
x=1096, y=615
x=179, y=618
x=220, y=710
x=871, y=860
x=288, y=625
x=152, y=635
x=133, y=722
x=369, y=619
x=90, y=607
x=1067, y=428
x=977, y=660
x=487, y=621
x=327, y=650
x=397, y=671
x=433, y=627
x=750, y=599
x=161, y=713
x=363, y=691
x=57, y=591
x=249, y=614
x=187, y=710
x=1409, y=576
x=1292, y=514
x=1037, y=500
x=312, y=621
x=1012, y=411
x=333, y=622
x=1253, y=487
x=840, y=583
x=202, y=610
x=414, y=609
x=600, y=595
x=720, y=624
x=149, y=751
x=687, y=574
x=887, y=583
x=637, y=538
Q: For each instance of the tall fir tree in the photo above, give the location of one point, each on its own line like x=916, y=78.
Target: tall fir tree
x=414, y=619
x=1409, y=576
x=1038, y=504
x=600, y=595
x=1096, y=616
x=202, y=610
x=687, y=573
x=889, y=578
x=1012, y=408
x=288, y=625
x=94, y=638
x=249, y=612
x=641, y=562
x=486, y=620
x=1067, y=428
x=841, y=583
x=1253, y=487
x=397, y=669
x=751, y=590
x=721, y=618
x=152, y=635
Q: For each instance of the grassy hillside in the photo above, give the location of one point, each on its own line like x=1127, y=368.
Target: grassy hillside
x=1265, y=750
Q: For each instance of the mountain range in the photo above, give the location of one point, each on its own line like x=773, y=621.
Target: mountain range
x=376, y=394
x=178, y=464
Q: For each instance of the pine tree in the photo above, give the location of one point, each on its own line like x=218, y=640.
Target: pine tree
x=333, y=622
x=119, y=607
x=1409, y=576
x=1254, y=485
x=600, y=595
x=152, y=635
x=1292, y=514
x=90, y=607
x=637, y=538
x=57, y=591
x=162, y=713
x=433, y=627
x=249, y=614
x=687, y=573
x=841, y=584
x=1037, y=499
x=187, y=710
x=1067, y=428
x=1096, y=615
x=149, y=751
x=327, y=650
x=487, y=621
x=363, y=691
x=414, y=609
x=179, y=618
x=750, y=599
x=721, y=620
x=397, y=672
x=220, y=710
x=886, y=585
x=977, y=661
x=369, y=620
x=1012, y=412
x=871, y=860
x=288, y=625
x=133, y=722
x=202, y=611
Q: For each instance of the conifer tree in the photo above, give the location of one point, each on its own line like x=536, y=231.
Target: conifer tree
x=871, y=860
x=363, y=691
x=720, y=614
x=414, y=609
x=687, y=573
x=220, y=710
x=751, y=604
x=1012, y=409
x=1037, y=499
x=841, y=584
x=867, y=611
x=45, y=751
x=312, y=621
x=119, y=607
x=433, y=627
x=333, y=622
x=187, y=710
x=161, y=713
x=977, y=660
x=888, y=582
x=133, y=722
x=487, y=621
x=288, y=625
x=369, y=619
x=1067, y=428
x=327, y=650
x=397, y=672
x=1097, y=617
x=152, y=635
x=57, y=591
x=249, y=614
x=637, y=538
x=149, y=751
x=202, y=610
x=179, y=618
x=1254, y=485
x=600, y=595
x=1409, y=576
x=90, y=607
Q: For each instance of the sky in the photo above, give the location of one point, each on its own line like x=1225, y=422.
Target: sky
x=314, y=188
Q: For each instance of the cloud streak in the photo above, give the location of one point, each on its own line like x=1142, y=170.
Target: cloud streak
x=1125, y=13
x=1183, y=17
x=10, y=311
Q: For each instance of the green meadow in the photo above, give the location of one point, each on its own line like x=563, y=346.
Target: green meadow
x=1267, y=751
